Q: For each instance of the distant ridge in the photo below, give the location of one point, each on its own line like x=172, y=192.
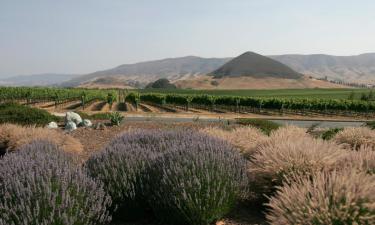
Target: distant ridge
x=145, y=72
x=255, y=65
x=47, y=79
x=358, y=68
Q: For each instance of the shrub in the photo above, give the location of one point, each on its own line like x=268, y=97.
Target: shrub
x=243, y=138
x=330, y=133
x=12, y=137
x=126, y=163
x=122, y=164
x=288, y=152
x=198, y=183
x=116, y=118
x=96, y=116
x=345, y=197
x=265, y=126
x=370, y=124
x=40, y=185
x=355, y=137
x=24, y=115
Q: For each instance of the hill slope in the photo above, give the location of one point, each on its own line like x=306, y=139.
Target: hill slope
x=247, y=82
x=359, y=68
x=47, y=79
x=145, y=72
x=255, y=65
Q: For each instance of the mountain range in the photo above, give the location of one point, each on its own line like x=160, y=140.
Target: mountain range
x=359, y=69
x=46, y=79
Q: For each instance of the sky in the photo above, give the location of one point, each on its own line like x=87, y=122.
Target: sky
x=83, y=36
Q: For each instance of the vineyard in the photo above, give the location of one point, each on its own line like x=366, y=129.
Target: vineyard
x=140, y=101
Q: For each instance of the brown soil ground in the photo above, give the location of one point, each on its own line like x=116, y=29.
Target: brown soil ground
x=95, y=140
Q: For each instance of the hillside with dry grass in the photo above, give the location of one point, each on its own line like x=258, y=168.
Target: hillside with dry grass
x=245, y=82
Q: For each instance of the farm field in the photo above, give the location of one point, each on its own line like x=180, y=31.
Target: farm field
x=307, y=103
x=116, y=171
x=324, y=93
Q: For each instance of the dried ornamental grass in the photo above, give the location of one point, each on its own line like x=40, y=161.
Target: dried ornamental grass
x=197, y=183
x=363, y=160
x=12, y=137
x=345, y=197
x=283, y=155
x=244, y=138
x=289, y=132
x=40, y=185
x=355, y=137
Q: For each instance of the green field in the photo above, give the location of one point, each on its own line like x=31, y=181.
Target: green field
x=286, y=93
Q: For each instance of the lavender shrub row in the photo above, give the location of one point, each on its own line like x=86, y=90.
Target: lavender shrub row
x=184, y=177
x=40, y=185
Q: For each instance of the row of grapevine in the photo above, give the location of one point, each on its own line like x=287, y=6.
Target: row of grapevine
x=264, y=103
x=33, y=94
x=59, y=95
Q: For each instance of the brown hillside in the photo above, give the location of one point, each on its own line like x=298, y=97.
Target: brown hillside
x=255, y=65
x=208, y=82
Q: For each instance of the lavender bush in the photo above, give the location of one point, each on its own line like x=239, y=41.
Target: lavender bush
x=40, y=185
x=197, y=183
x=122, y=166
x=127, y=167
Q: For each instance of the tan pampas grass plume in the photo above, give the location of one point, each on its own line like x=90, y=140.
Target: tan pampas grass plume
x=290, y=152
x=345, y=197
x=355, y=137
x=243, y=138
x=12, y=137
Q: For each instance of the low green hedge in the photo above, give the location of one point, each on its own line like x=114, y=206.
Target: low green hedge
x=25, y=115
x=265, y=126
x=329, y=134
x=97, y=116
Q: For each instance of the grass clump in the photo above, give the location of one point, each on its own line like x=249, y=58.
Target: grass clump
x=345, y=197
x=290, y=152
x=13, y=137
x=40, y=184
x=243, y=138
x=362, y=160
x=265, y=126
x=24, y=115
x=355, y=137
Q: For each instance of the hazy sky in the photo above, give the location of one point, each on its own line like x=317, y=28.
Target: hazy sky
x=81, y=36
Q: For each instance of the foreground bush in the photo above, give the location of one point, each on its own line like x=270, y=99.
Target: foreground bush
x=24, y=115
x=198, y=183
x=40, y=185
x=290, y=152
x=355, y=137
x=335, y=198
x=363, y=160
x=12, y=137
x=126, y=164
x=244, y=138
x=123, y=164
x=265, y=126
